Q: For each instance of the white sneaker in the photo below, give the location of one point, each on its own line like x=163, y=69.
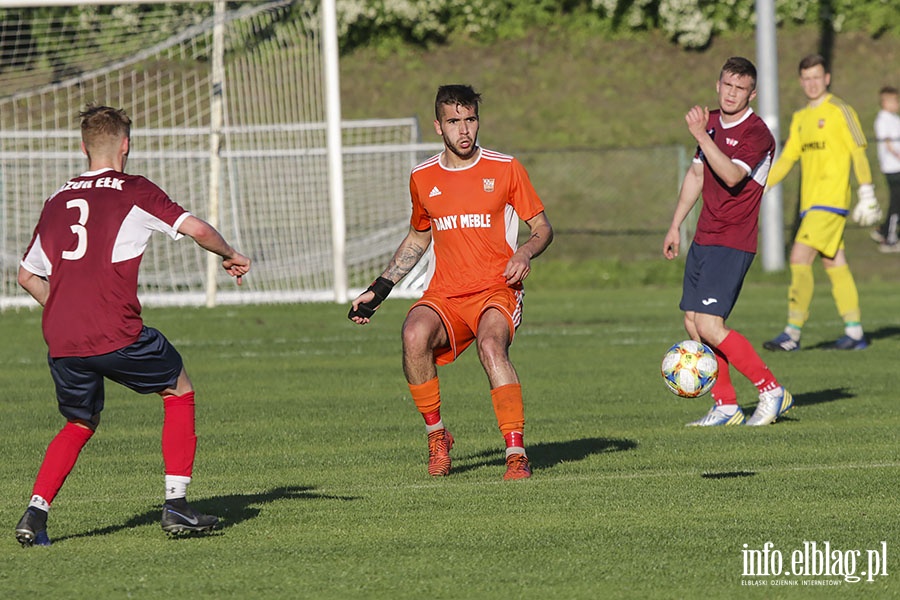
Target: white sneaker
x=717, y=416
x=771, y=405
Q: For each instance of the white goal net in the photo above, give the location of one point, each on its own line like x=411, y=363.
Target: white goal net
x=266, y=138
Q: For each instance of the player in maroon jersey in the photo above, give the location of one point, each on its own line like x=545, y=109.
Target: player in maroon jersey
x=734, y=152
x=82, y=267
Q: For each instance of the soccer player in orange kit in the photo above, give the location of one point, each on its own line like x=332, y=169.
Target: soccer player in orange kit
x=467, y=201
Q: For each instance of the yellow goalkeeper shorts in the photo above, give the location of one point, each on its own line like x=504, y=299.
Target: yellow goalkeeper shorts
x=822, y=230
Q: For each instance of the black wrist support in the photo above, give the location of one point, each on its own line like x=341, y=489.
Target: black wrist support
x=381, y=287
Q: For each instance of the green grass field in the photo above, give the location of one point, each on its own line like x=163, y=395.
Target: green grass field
x=312, y=453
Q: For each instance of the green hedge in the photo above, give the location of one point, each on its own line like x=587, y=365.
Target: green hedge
x=691, y=23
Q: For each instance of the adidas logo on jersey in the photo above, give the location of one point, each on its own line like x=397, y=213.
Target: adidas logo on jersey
x=434, y=192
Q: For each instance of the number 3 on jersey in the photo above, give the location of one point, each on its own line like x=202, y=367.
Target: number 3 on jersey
x=78, y=229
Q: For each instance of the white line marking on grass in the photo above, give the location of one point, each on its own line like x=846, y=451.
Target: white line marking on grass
x=209, y=495
x=655, y=474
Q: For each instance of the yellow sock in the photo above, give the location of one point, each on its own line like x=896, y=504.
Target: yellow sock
x=800, y=295
x=846, y=297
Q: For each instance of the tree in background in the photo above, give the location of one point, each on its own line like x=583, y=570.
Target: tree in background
x=689, y=23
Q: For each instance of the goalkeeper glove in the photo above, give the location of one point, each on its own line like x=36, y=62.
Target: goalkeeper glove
x=867, y=211
x=381, y=287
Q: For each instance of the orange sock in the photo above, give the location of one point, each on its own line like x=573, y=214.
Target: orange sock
x=427, y=398
x=509, y=408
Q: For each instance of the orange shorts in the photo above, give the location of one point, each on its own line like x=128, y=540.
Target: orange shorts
x=461, y=314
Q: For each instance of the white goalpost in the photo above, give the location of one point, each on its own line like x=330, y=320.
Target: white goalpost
x=231, y=118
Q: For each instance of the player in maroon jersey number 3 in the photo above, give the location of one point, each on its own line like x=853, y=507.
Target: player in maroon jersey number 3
x=82, y=267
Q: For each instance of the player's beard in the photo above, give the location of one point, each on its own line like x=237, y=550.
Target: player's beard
x=459, y=152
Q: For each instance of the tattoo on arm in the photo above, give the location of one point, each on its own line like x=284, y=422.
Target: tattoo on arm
x=406, y=257
x=535, y=244
x=540, y=238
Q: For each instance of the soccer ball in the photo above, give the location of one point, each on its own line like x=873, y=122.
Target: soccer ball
x=690, y=369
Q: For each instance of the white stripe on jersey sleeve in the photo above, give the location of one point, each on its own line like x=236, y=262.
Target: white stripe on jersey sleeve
x=36, y=260
x=427, y=163
x=137, y=227
x=760, y=173
x=494, y=155
x=511, y=222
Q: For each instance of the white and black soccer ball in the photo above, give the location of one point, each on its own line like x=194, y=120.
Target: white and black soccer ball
x=689, y=369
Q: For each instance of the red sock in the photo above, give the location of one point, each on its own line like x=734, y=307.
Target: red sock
x=432, y=418
x=514, y=439
x=723, y=390
x=62, y=452
x=739, y=352
x=179, y=442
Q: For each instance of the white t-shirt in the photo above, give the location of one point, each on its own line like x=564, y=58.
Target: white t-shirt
x=887, y=127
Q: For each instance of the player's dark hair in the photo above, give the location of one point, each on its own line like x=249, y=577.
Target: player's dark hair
x=740, y=66
x=98, y=122
x=813, y=60
x=456, y=95
x=889, y=89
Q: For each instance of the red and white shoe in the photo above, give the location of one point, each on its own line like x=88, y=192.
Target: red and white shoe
x=517, y=467
x=439, y=444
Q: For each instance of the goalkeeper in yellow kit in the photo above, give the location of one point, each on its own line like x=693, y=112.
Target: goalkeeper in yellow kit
x=826, y=138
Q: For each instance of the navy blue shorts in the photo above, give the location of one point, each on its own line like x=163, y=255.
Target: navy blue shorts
x=149, y=365
x=713, y=277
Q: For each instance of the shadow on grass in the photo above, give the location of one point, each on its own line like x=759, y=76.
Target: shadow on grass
x=822, y=396
x=728, y=475
x=878, y=334
x=817, y=397
x=546, y=455
x=232, y=510
x=883, y=332
x=810, y=398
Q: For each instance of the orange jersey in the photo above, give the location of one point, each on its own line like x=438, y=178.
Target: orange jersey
x=473, y=214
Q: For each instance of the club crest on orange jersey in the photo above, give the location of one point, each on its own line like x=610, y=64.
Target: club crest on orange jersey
x=488, y=184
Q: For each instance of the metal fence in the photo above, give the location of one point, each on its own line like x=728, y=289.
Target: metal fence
x=608, y=203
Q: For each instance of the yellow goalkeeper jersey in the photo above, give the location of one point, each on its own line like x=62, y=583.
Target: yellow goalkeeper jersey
x=826, y=139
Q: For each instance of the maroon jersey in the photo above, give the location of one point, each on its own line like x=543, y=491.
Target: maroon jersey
x=88, y=243
x=730, y=216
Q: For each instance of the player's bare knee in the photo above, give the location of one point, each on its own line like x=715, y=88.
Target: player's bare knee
x=710, y=329
x=415, y=343
x=492, y=349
